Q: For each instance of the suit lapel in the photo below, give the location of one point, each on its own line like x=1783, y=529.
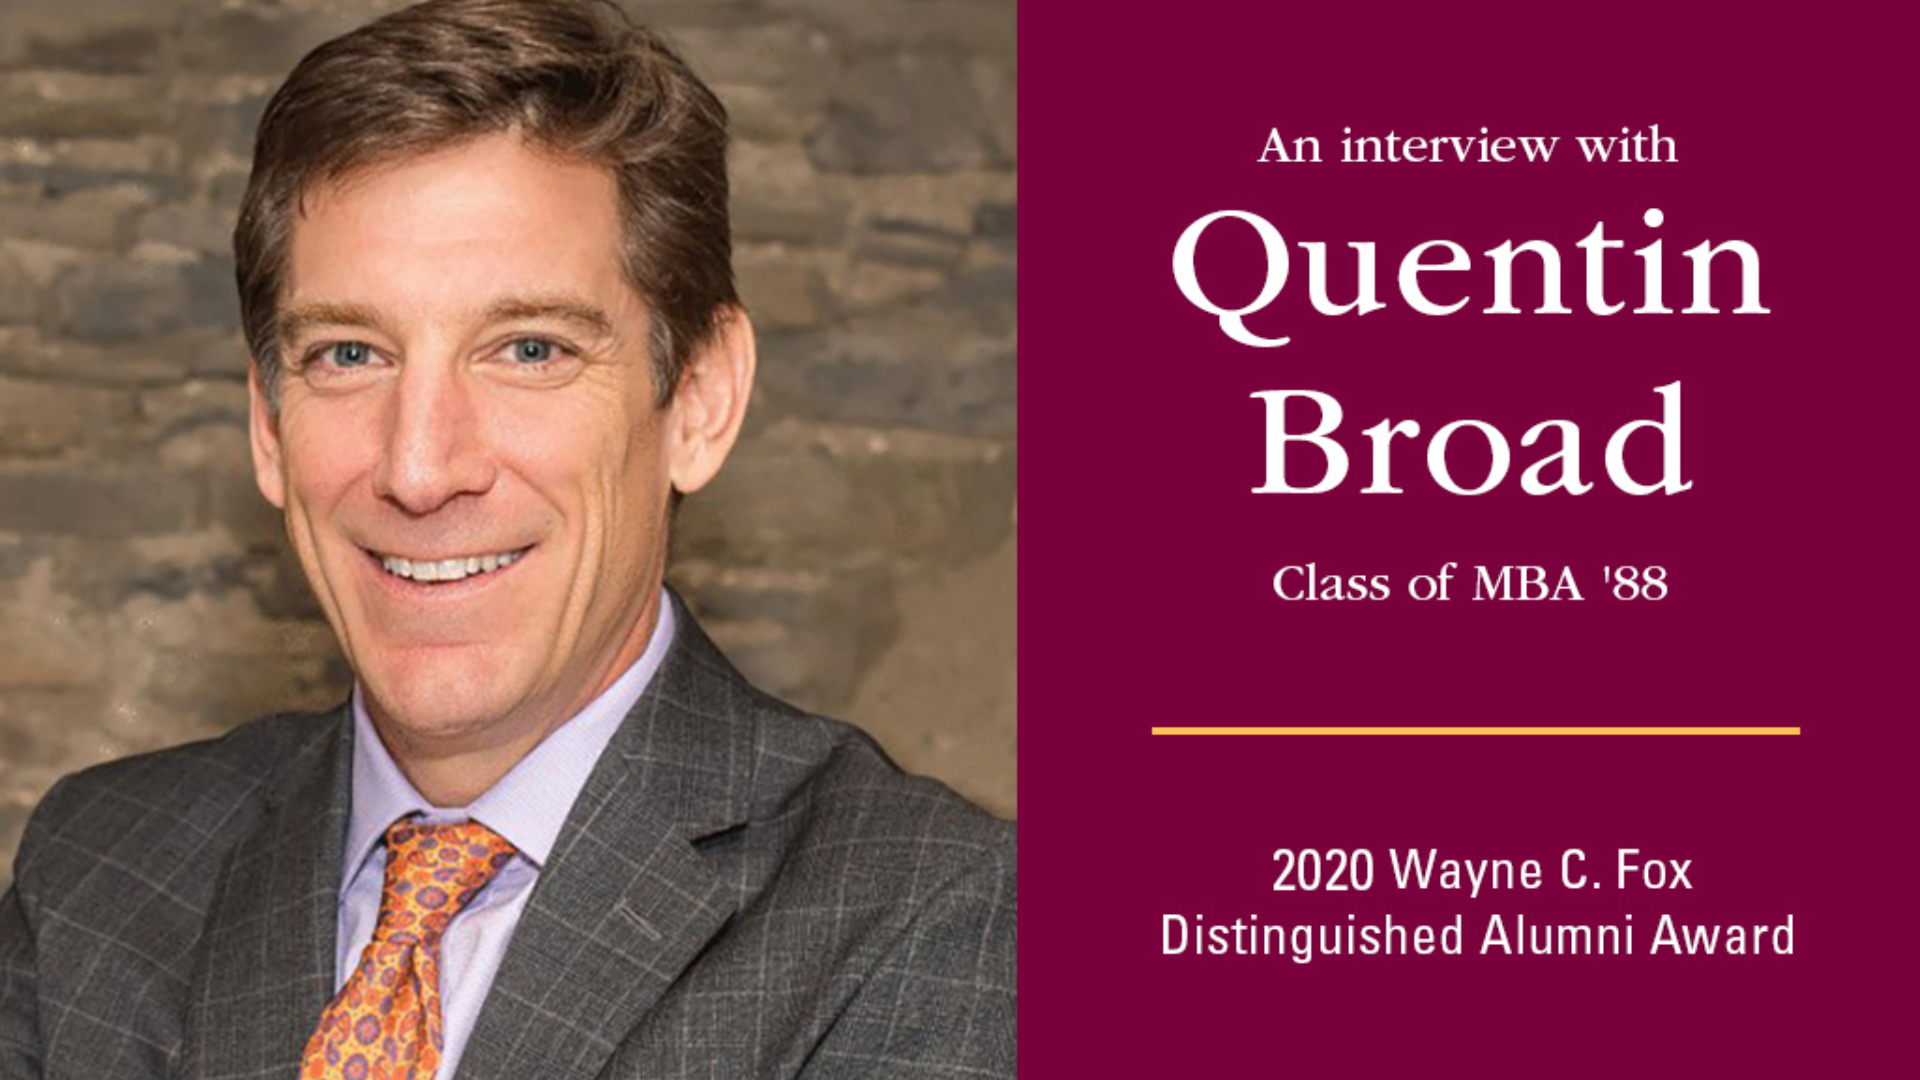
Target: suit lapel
x=266, y=965
x=627, y=900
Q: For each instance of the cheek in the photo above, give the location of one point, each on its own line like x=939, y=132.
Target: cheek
x=591, y=456
x=324, y=450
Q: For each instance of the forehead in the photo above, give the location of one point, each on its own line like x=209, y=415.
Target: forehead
x=459, y=227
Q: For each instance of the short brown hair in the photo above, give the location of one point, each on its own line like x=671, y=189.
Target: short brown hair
x=576, y=77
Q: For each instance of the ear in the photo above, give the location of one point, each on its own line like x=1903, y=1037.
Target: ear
x=710, y=404
x=264, y=429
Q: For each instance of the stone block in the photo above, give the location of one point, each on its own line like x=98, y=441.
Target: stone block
x=209, y=659
x=99, y=218
x=212, y=449
x=914, y=112
x=19, y=292
x=942, y=699
x=69, y=105
x=89, y=35
x=33, y=353
x=228, y=187
x=238, y=505
x=945, y=203
x=39, y=264
x=47, y=640
x=764, y=653
x=785, y=595
x=909, y=243
x=985, y=27
x=971, y=398
x=997, y=223
x=778, y=198
x=42, y=418
x=49, y=732
x=859, y=288
x=785, y=501
x=112, y=50
x=948, y=501
x=946, y=364
x=260, y=39
x=194, y=403
x=213, y=300
x=18, y=554
x=95, y=502
x=201, y=425
x=989, y=297
x=834, y=499
x=807, y=635
x=105, y=573
x=220, y=622
x=759, y=49
x=222, y=128
x=279, y=586
x=122, y=301
x=226, y=691
x=63, y=166
x=125, y=301
x=993, y=80
x=206, y=229
x=767, y=114
x=778, y=288
x=217, y=352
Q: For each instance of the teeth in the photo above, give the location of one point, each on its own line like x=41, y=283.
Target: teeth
x=447, y=569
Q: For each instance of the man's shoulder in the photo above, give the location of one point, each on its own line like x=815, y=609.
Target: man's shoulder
x=166, y=804
x=849, y=814
x=906, y=951
x=821, y=790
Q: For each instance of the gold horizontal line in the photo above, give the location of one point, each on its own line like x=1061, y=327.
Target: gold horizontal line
x=1476, y=731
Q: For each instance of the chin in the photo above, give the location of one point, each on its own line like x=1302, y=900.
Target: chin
x=436, y=701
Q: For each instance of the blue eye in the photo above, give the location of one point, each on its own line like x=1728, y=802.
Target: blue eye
x=350, y=354
x=532, y=351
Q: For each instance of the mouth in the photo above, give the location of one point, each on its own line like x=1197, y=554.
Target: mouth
x=446, y=571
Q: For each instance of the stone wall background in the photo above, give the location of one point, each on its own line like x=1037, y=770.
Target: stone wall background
x=857, y=556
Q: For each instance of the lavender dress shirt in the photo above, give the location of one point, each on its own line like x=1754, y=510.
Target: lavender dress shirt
x=528, y=807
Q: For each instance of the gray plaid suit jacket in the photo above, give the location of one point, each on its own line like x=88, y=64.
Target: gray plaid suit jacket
x=741, y=890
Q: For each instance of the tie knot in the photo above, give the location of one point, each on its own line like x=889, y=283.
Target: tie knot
x=432, y=872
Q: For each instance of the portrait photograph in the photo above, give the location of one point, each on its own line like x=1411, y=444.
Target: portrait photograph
x=507, y=538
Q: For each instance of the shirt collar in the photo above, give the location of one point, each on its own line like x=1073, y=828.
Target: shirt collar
x=529, y=804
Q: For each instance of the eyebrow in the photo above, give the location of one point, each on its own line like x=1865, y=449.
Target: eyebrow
x=561, y=308
x=302, y=318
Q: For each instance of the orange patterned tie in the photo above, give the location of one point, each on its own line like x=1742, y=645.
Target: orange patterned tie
x=385, y=1022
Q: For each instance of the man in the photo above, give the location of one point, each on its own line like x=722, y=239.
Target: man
x=484, y=269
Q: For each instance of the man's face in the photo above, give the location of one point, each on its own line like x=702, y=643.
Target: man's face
x=474, y=472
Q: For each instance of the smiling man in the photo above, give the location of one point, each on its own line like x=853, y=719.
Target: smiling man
x=484, y=270
x=466, y=438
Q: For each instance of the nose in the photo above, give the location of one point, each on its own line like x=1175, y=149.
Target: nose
x=435, y=450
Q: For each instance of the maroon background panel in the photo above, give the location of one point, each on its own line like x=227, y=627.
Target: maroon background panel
x=1147, y=594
